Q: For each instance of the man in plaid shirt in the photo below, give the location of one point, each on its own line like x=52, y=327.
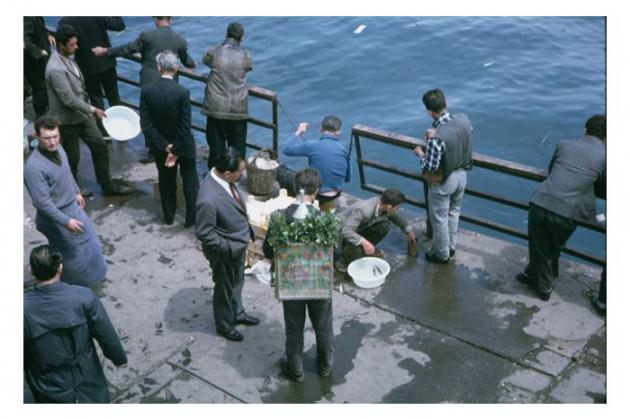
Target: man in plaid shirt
x=447, y=158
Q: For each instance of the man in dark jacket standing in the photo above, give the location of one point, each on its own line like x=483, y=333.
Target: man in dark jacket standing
x=319, y=311
x=60, y=320
x=149, y=44
x=37, y=43
x=165, y=119
x=225, y=100
x=99, y=72
x=577, y=173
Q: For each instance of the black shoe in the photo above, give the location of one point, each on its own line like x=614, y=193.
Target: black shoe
x=430, y=257
x=147, y=160
x=246, y=319
x=451, y=253
x=291, y=375
x=189, y=224
x=523, y=278
x=233, y=335
x=118, y=191
x=544, y=295
x=85, y=192
x=598, y=305
x=325, y=371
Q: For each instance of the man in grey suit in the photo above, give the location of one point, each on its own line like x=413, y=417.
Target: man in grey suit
x=224, y=231
x=68, y=102
x=149, y=44
x=577, y=173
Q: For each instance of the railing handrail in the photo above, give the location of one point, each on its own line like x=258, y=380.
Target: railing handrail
x=506, y=167
x=253, y=90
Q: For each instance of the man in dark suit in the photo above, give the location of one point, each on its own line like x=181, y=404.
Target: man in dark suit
x=165, y=119
x=149, y=44
x=577, y=173
x=224, y=231
x=69, y=104
x=99, y=72
x=37, y=43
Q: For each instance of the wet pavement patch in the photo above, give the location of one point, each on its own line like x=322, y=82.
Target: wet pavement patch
x=316, y=388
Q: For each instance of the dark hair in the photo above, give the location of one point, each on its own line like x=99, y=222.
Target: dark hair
x=392, y=197
x=229, y=161
x=235, y=30
x=45, y=261
x=434, y=100
x=596, y=126
x=307, y=179
x=64, y=34
x=47, y=122
x=331, y=124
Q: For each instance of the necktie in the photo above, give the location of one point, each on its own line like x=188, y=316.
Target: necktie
x=235, y=195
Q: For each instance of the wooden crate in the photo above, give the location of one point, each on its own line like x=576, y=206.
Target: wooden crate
x=304, y=272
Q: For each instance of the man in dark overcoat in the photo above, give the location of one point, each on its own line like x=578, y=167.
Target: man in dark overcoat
x=165, y=119
x=61, y=321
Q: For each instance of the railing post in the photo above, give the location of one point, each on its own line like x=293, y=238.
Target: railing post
x=274, y=110
x=357, y=145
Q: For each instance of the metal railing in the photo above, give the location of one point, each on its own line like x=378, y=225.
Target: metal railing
x=254, y=91
x=479, y=160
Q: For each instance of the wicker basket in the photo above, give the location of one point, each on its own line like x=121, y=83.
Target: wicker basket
x=260, y=181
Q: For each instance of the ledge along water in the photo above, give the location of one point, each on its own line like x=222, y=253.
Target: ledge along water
x=462, y=332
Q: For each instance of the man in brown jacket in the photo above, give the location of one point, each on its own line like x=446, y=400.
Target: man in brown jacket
x=225, y=100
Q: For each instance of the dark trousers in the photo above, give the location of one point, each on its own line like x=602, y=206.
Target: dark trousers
x=34, y=74
x=548, y=232
x=320, y=313
x=96, y=84
x=91, y=136
x=223, y=133
x=601, y=297
x=228, y=276
x=373, y=233
x=167, y=181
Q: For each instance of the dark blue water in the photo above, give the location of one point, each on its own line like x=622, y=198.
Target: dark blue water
x=525, y=82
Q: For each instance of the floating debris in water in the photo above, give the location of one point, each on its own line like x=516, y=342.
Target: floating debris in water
x=545, y=138
x=360, y=29
x=488, y=64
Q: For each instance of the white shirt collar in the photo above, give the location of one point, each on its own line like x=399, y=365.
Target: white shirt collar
x=166, y=76
x=225, y=185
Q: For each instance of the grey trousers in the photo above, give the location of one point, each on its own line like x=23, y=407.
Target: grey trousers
x=320, y=313
x=228, y=276
x=445, y=205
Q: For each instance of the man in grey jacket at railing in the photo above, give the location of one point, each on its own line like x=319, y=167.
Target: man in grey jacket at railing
x=577, y=173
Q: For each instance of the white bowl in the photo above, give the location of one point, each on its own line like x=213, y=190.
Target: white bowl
x=122, y=123
x=368, y=272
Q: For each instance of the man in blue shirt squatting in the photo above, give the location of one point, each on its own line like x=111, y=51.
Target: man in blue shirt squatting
x=327, y=155
x=444, y=165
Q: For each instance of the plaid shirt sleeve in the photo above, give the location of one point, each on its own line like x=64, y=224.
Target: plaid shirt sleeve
x=433, y=155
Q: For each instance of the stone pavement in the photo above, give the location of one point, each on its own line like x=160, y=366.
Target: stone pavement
x=465, y=332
